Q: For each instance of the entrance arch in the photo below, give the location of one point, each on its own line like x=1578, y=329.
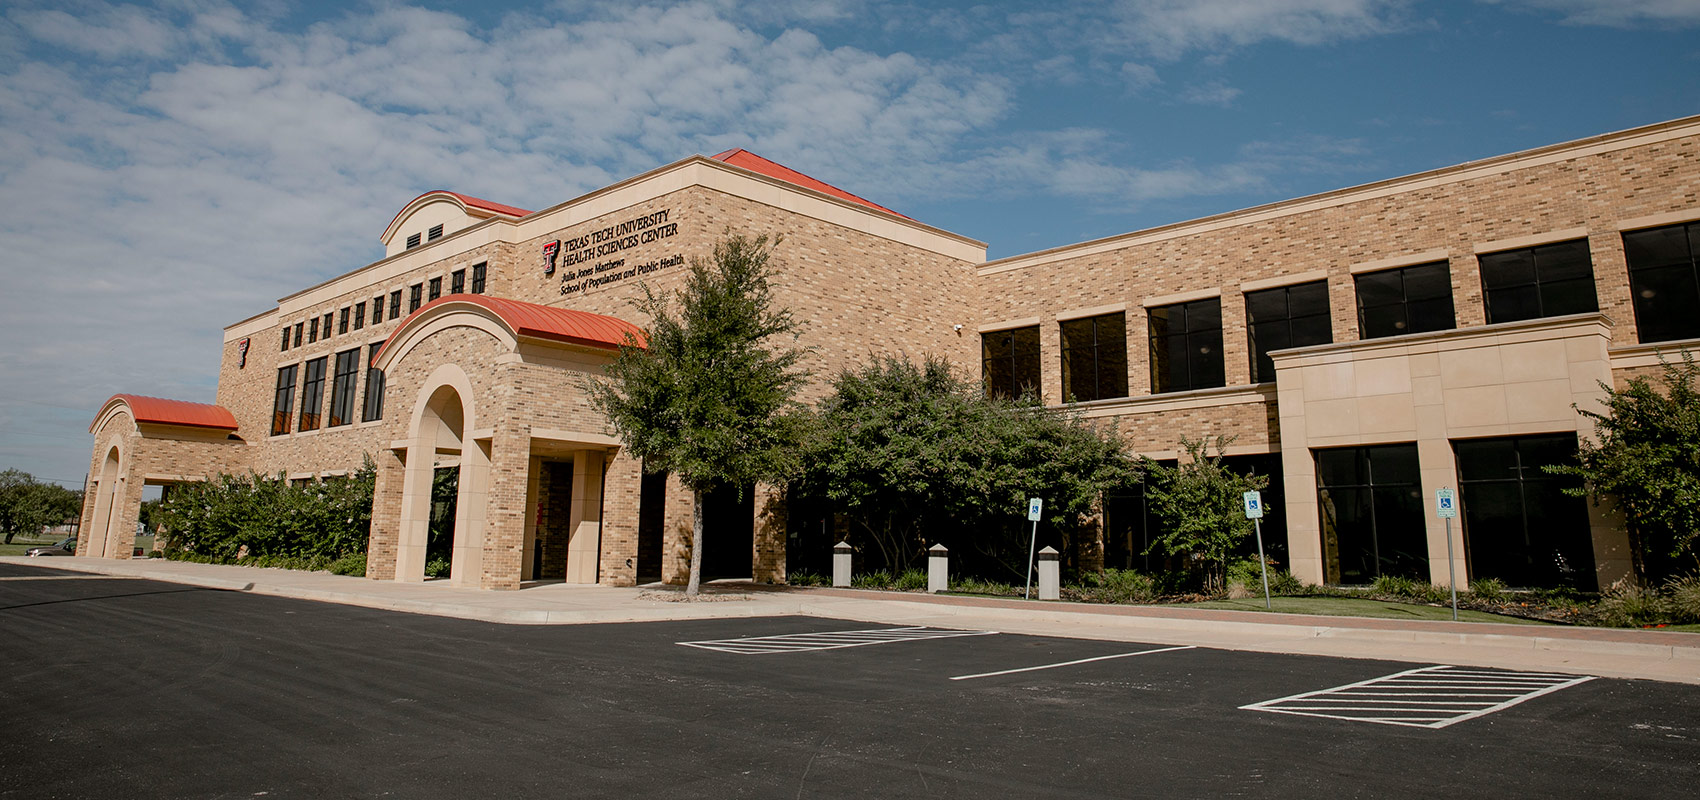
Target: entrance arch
x=444, y=418
x=109, y=492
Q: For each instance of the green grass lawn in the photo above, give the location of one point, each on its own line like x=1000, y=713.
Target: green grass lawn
x=1353, y=607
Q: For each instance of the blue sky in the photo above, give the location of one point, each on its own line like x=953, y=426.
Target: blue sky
x=169, y=169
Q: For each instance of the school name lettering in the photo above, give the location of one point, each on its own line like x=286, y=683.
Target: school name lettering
x=614, y=238
x=613, y=271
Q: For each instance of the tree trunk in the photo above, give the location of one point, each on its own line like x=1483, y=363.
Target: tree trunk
x=696, y=544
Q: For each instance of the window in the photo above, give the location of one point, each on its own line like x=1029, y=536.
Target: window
x=412, y=241
x=395, y=304
x=342, y=387
x=1547, y=281
x=1519, y=525
x=1186, y=346
x=1094, y=358
x=359, y=315
x=478, y=278
x=1664, y=278
x=297, y=334
x=1288, y=316
x=414, y=295
x=1009, y=362
x=328, y=316
x=372, y=405
x=1370, y=501
x=436, y=288
x=313, y=330
x=378, y=308
x=284, y=404
x=436, y=232
x=342, y=321
x=312, y=394
x=457, y=281
x=1409, y=300
x=286, y=338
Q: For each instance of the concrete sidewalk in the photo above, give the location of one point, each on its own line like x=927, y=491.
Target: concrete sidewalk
x=1654, y=655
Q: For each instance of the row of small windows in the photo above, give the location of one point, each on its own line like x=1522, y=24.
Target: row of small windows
x=1185, y=339
x=354, y=317
x=343, y=380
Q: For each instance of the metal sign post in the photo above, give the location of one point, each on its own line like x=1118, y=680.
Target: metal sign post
x=1254, y=512
x=1034, y=506
x=1446, y=507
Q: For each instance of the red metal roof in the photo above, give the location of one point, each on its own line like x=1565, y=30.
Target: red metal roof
x=530, y=320
x=469, y=200
x=160, y=411
x=740, y=157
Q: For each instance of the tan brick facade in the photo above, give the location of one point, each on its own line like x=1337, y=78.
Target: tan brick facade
x=864, y=282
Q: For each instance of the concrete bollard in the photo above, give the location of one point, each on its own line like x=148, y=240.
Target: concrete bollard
x=841, y=563
x=938, y=569
x=1049, y=578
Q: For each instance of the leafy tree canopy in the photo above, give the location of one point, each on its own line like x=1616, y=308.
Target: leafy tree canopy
x=28, y=505
x=1199, y=504
x=260, y=515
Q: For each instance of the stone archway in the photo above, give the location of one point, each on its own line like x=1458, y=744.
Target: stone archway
x=109, y=493
x=444, y=419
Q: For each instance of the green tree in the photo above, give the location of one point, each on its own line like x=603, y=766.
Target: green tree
x=28, y=505
x=709, y=396
x=1199, y=505
x=270, y=516
x=1645, y=457
x=915, y=455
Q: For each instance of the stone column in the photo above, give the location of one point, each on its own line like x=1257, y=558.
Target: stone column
x=622, y=486
x=586, y=520
x=384, y=538
x=768, y=564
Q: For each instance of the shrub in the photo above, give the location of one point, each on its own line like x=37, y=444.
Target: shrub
x=978, y=586
x=351, y=564
x=1684, y=601
x=1120, y=586
x=1285, y=582
x=804, y=577
x=912, y=580
x=878, y=579
x=1489, y=590
x=437, y=568
x=229, y=517
x=155, y=554
x=1393, y=586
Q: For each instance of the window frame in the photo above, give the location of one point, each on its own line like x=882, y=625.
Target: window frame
x=479, y=277
x=359, y=315
x=372, y=400
x=283, y=400
x=1260, y=353
x=395, y=304
x=457, y=282
x=1017, y=337
x=346, y=376
x=1487, y=263
x=342, y=321
x=415, y=297
x=1642, y=295
x=285, y=339
x=312, y=395
x=313, y=329
x=1162, y=368
x=298, y=327
x=1405, y=302
x=1106, y=380
x=436, y=288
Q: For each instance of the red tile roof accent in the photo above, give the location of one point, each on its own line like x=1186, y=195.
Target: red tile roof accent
x=469, y=200
x=529, y=320
x=160, y=411
x=739, y=157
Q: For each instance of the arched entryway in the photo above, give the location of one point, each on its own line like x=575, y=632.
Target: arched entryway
x=440, y=437
x=109, y=493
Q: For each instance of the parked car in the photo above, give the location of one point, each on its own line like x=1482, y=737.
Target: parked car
x=63, y=547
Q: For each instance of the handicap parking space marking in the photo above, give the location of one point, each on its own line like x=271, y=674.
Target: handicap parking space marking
x=1427, y=697
x=829, y=640
x=1072, y=663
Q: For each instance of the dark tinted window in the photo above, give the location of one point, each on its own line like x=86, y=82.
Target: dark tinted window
x=1519, y=525
x=1009, y=361
x=342, y=321
x=359, y=315
x=1369, y=500
x=415, y=297
x=312, y=394
x=286, y=337
x=372, y=406
x=436, y=288
x=1664, y=279
x=478, y=278
x=1409, y=300
x=313, y=330
x=342, y=388
x=1547, y=281
x=1094, y=358
x=328, y=316
x=283, y=406
x=1186, y=346
x=378, y=308
x=1288, y=316
x=457, y=281
x=395, y=304
x=297, y=334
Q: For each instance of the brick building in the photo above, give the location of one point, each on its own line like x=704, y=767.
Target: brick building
x=1365, y=347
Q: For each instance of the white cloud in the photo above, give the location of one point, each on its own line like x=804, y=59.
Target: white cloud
x=1171, y=28
x=1617, y=13
x=1214, y=93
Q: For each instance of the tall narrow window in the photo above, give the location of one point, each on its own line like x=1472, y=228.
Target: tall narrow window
x=1186, y=346
x=372, y=405
x=1094, y=358
x=283, y=406
x=328, y=316
x=312, y=330
x=412, y=240
x=342, y=321
x=1409, y=300
x=342, y=387
x=1664, y=279
x=395, y=304
x=1288, y=316
x=415, y=297
x=436, y=232
x=360, y=315
x=312, y=394
x=1547, y=281
x=436, y=288
x=478, y=278
x=1371, y=505
x=297, y=334
x=378, y=308
x=1009, y=361
x=286, y=337
x=457, y=281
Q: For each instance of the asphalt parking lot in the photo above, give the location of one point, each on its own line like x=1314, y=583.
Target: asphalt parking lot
x=129, y=688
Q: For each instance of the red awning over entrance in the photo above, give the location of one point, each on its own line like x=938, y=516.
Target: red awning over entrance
x=159, y=411
x=532, y=321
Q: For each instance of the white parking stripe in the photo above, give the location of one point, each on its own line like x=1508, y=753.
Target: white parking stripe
x=828, y=640
x=1439, y=700
x=1070, y=663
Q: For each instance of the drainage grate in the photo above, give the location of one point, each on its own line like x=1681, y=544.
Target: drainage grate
x=834, y=640
x=1428, y=697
